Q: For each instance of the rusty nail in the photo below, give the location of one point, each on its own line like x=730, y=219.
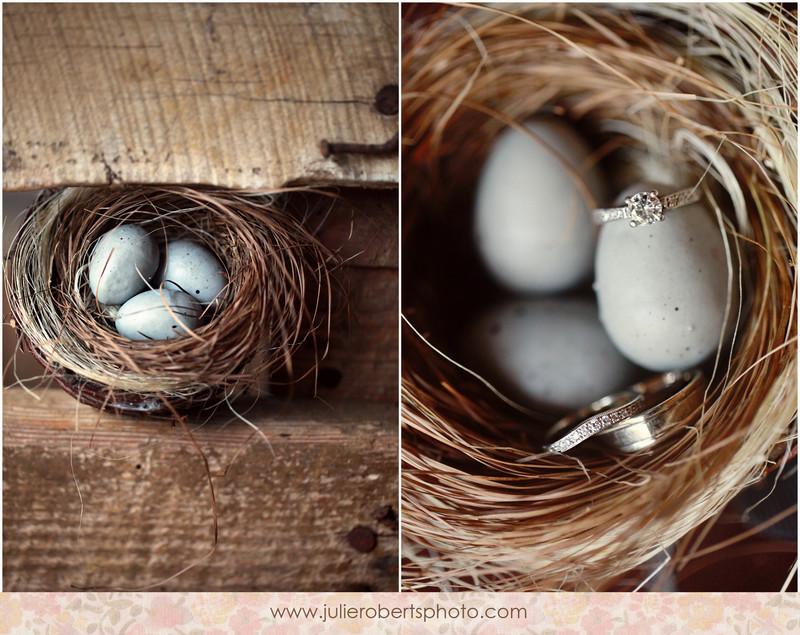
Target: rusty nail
x=387, y=100
x=332, y=147
x=361, y=539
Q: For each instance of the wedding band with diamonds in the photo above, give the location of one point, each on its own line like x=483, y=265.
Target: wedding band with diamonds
x=671, y=400
x=601, y=414
x=646, y=208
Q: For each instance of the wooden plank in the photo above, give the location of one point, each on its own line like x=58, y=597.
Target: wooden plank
x=236, y=95
x=96, y=499
x=362, y=227
x=363, y=362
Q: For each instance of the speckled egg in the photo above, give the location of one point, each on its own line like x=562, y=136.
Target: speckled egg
x=532, y=222
x=122, y=263
x=662, y=289
x=158, y=315
x=193, y=269
x=548, y=352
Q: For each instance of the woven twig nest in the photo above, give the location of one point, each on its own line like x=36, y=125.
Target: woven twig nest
x=689, y=91
x=276, y=300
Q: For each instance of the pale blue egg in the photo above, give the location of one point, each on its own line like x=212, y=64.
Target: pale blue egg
x=663, y=288
x=122, y=263
x=550, y=352
x=532, y=222
x=195, y=270
x=158, y=315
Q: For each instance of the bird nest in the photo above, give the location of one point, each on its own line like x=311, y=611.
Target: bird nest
x=704, y=92
x=277, y=296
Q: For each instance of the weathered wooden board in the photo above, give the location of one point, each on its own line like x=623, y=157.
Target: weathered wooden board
x=236, y=95
x=364, y=349
x=92, y=499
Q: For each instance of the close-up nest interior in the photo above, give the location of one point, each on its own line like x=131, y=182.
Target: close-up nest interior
x=699, y=98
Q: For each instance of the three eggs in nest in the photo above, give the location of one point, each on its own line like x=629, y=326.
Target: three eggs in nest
x=152, y=293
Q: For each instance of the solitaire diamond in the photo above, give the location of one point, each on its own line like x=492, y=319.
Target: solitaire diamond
x=644, y=208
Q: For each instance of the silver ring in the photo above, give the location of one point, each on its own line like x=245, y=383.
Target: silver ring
x=646, y=208
x=671, y=400
x=601, y=414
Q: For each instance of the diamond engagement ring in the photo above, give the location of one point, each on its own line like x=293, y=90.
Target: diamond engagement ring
x=646, y=208
x=601, y=414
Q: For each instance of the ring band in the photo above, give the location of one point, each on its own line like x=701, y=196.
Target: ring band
x=646, y=208
x=670, y=400
x=601, y=414
x=633, y=419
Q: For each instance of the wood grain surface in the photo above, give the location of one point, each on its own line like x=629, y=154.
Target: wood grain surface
x=92, y=499
x=235, y=95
